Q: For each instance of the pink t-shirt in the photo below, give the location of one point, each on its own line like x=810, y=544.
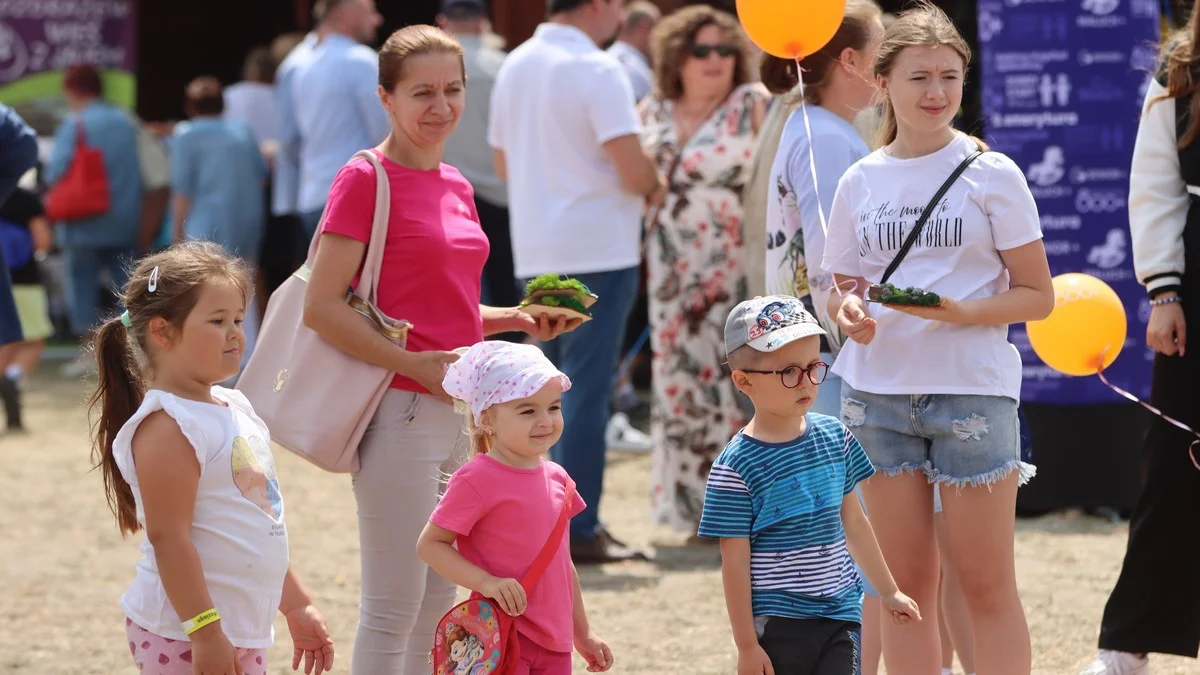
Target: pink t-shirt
x=433, y=256
x=503, y=516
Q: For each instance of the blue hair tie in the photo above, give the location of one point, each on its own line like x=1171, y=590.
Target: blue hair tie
x=126, y=320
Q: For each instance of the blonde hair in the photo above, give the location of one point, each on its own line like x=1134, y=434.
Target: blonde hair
x=922, y=25
x=481, y=441
x=1179, y=59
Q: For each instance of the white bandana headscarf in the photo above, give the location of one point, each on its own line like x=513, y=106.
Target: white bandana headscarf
x=493, y=372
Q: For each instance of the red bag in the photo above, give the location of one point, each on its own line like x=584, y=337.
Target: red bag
x=476, y=637
x=82, y=192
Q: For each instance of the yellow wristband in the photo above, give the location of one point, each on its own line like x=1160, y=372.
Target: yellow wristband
x=200, y=621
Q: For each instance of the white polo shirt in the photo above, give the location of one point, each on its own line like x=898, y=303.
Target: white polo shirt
x=558, y=99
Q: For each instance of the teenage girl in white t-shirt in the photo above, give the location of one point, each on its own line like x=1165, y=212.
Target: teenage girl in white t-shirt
x=190, y=463
x=931, y=393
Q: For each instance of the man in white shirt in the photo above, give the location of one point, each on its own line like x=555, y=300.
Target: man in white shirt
x=467, y=149
x=330, y=107
x=564, y=133
x=632, y=47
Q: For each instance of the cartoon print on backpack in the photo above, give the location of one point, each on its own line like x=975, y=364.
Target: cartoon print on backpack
x=464, y=641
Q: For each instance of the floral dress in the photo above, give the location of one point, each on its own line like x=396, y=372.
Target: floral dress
x=694, y=259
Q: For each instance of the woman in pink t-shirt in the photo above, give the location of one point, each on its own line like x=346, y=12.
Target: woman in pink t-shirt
x=502, y=505
x=432, y=261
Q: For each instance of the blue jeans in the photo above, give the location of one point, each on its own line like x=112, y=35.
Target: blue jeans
x=588, y=355
x=83, y=266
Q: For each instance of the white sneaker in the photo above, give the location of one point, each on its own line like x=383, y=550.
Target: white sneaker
x=623, y=436
x=1117, y=663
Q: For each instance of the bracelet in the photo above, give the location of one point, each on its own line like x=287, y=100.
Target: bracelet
x=1167, y=300
x=200, y=621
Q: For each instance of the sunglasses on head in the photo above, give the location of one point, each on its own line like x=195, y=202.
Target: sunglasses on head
x=703, y=51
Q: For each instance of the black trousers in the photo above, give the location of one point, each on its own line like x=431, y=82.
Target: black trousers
x=1155, y=606
x=499, y=283
x=812, y=646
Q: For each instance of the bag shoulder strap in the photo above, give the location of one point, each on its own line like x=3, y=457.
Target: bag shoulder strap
x=534, y=574
x=920, y=224
x=368, y=281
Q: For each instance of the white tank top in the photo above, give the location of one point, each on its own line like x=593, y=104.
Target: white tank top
x=237, y=526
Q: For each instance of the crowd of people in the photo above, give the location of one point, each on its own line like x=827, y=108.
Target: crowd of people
x=733, y=206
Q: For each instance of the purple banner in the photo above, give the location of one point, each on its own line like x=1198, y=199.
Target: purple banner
x=41, y=35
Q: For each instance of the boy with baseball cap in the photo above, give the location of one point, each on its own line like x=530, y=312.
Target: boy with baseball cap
x=780, y=498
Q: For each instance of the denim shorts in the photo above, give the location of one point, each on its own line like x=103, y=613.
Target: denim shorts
x=956, y=439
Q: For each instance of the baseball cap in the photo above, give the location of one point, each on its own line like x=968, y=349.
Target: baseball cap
x=766, y=324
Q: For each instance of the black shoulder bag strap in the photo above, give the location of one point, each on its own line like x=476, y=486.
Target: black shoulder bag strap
x=916, y=231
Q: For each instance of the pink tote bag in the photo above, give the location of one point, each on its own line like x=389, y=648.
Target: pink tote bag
x=316, y=399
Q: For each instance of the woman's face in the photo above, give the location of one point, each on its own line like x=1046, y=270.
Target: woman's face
x=710, y=62
x=925, y=87
x=862, y=70
x=427, y=103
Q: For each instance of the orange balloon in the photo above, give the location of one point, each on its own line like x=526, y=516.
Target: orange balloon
x=1087, y=324
x=791, y=29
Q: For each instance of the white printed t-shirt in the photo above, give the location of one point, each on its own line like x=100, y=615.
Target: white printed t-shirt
x=237, y=525
x=988, y=209
x=558, y=99
x=795, y=236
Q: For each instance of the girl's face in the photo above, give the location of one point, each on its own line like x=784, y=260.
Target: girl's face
x=530, y=426
x=709, y=66
x=925, y=88
x=209, y=346
x=862, y=68
x=426, y=105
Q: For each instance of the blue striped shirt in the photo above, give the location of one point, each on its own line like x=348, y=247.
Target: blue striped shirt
x=786, y=498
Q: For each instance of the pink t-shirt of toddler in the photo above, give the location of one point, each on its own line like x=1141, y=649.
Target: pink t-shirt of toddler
x=503, y=516
x=433, y=256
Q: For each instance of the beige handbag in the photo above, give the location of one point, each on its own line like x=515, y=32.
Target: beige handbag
x=316, y=399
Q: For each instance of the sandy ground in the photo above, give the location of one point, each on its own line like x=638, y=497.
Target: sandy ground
x=64, y=566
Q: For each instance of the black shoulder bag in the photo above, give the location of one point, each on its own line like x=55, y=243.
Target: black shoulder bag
x=876, y=293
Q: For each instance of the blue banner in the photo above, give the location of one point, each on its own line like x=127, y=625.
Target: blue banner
x=1063, y=83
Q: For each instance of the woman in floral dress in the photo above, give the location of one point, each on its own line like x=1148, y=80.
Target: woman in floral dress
x=700, y=125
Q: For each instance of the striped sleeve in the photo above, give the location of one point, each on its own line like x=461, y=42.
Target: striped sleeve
x=858, y=465
x=728, y=509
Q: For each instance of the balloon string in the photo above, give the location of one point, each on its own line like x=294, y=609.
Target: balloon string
x=812, y=162
x=1156, y=411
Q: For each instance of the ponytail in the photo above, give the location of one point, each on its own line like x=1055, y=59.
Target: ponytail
x=778, y=75
x=481, y=443
x=118, y=395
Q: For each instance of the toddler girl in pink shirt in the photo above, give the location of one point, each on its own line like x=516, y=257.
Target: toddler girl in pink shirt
x=502, y=505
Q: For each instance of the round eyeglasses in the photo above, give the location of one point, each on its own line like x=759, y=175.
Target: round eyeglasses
x=792, y=375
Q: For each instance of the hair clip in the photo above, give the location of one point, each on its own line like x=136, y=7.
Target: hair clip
x=152, y=285
x=126, y=320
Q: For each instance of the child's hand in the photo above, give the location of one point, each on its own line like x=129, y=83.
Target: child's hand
x=213, y=653
x=508, y=592
x=754, y=661
x=311, y=640
x=902, y=607
x=596, y=652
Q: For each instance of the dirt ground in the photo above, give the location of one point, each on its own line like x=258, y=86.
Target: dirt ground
x=64, y=566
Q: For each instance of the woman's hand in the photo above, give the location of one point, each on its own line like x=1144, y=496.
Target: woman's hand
x=310, y=637
x=950, y=311
x=429, y=369
x=545, y=327
x=855, y=320
x=1166, y=332
x=212, y=653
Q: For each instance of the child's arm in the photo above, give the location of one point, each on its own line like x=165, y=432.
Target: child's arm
x=436, y=548
x=310, y=636
x=169, y=475
x=735, y=577
x=594, y=650
x=864, y=548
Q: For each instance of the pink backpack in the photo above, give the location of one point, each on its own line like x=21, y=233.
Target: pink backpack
x=479, y=638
